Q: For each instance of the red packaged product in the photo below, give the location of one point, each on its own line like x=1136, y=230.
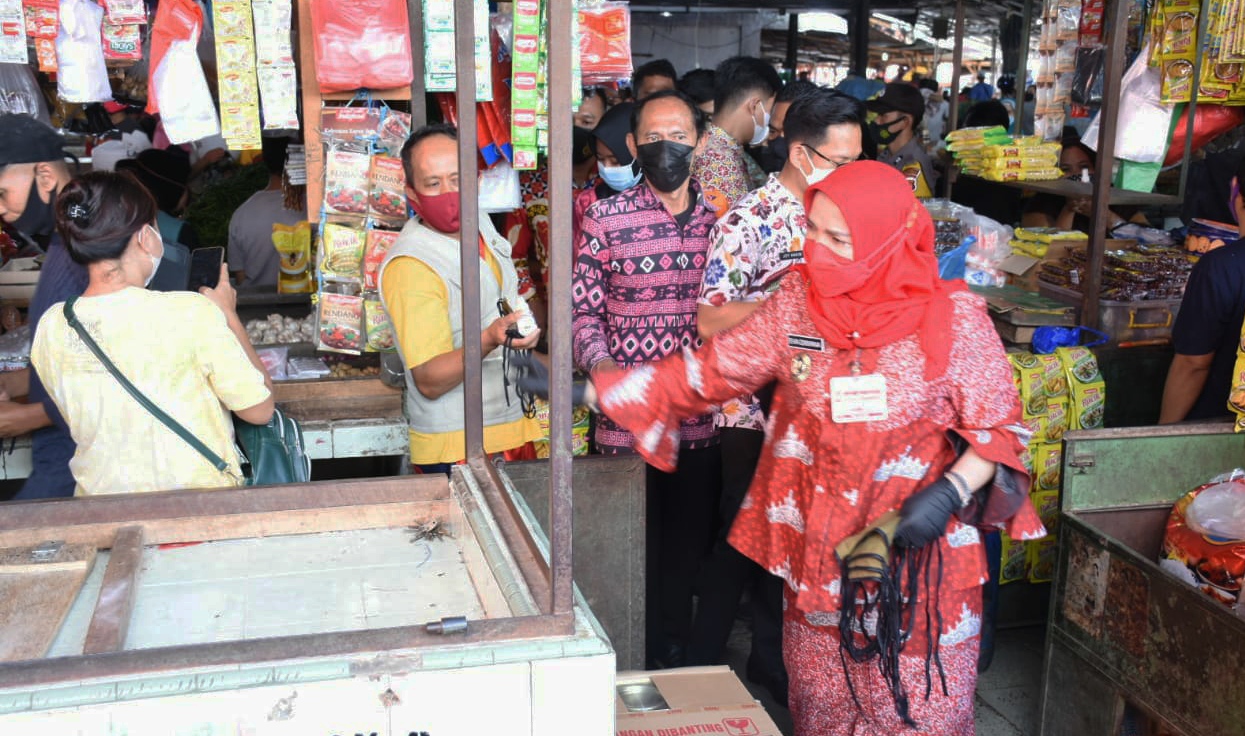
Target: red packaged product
x=125, y=12
x=42, y=18
x=387, y=200
x=365, y=44
x=378, y=244
x=122, y=43
x=605, y=42
x=1196, y=547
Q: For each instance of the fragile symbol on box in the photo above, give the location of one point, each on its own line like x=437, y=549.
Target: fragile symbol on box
x=741, y=727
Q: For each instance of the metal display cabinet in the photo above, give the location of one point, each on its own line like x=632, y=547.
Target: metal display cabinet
x=388, y=606
x=1122, y=630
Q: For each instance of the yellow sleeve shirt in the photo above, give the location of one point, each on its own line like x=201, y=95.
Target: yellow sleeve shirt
x=419, y=310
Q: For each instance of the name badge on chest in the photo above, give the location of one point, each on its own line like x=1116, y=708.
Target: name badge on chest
x=804, y=342
x=858, y=398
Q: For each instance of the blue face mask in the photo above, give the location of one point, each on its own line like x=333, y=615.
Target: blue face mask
x=619, y=178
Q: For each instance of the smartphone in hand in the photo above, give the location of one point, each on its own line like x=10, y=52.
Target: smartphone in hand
x=205, y=266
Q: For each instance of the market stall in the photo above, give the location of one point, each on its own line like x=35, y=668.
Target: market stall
x=1125, y=631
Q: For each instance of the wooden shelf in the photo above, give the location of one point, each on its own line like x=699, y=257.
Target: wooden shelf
x=1068, y=188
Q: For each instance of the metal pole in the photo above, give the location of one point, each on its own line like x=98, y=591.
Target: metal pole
x=1022, y=74
x=469, y=219
x=561, y=20
x=419, y=97
x=1116, y=27
x=793, y=42
x=860, y=36
x=957, y=61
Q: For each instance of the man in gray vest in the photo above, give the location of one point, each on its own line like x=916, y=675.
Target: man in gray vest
x=421, y=287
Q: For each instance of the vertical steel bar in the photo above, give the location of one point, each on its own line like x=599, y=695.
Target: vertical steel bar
x=1116, y=26
x=860, y=36
x=419, y=112
x=793, y=42
x=1022, y=74
x=469, y=219
x=957, y=62
x=1191, y=110
x=561, y=46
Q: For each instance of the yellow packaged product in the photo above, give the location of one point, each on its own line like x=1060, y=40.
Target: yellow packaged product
x=341, y=251
x=293, y=243
x=1021, y=175
x=1029, y=248
x=1048, y=234
x=1055, y=381
x=1040, y=161
x=1236, y=396
x=1016, y=150
x=977, y=133
x=1088, y=391
x=1014, y=564
x=1056, y=419
x=1047, y=466
x=377, y=325
x=1041, y=557
x=580, y=423
x=1042, y=553
x=1031, y=379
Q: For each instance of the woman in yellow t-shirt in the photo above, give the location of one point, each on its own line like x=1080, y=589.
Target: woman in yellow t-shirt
x=188, y=353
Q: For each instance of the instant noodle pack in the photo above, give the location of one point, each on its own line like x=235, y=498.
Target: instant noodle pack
x=1058, y=392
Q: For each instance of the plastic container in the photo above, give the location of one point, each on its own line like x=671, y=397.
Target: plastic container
x=1150, y=319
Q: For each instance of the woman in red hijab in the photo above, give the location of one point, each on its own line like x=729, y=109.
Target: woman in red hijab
x=893, y=395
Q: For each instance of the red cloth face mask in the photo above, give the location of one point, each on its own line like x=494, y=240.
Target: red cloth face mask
x=439, y=211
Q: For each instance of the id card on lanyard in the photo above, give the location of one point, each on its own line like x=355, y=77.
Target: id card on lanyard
x=858, y=398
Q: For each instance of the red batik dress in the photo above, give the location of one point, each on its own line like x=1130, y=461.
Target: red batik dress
x=819, y=482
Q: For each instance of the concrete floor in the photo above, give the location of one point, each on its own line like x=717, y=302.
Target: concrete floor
x=1007, y=693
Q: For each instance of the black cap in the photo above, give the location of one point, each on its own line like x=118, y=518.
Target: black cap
x=24, y=140
x=902, y=97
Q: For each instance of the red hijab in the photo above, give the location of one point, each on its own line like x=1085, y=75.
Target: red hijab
x=891, y=288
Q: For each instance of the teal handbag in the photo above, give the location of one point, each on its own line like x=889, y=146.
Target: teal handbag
x=274, y=451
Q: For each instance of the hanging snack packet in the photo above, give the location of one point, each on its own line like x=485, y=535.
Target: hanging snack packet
x=122, y=43
x=294, y=246
x=378, y=244
x=341, y=323
x=349, y=124
x=125, y=12
x=341, y=252
x=346, y=185
x=379, y=329
x=387, y=200
x=394, y=131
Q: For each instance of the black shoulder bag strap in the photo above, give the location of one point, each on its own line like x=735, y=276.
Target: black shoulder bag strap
x=168, y=421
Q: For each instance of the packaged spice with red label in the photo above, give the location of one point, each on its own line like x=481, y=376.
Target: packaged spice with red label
x=388, y=189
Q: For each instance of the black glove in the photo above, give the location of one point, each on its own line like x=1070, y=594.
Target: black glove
x=924, y=515
x=532, y=377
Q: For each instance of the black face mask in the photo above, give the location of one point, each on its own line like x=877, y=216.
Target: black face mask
x=666, y=164
x=884, y=134
x=774, y=155
x=39, y=217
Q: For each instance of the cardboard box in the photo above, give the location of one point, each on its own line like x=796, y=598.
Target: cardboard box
x=692, y=700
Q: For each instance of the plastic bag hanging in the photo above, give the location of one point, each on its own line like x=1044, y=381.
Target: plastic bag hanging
x=1143, y=120
x=82, y=75
x=361, y=45
x=176, y=20
x=187, y=110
